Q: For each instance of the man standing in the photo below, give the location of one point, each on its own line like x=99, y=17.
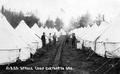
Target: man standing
x=50, y=39
x=73, y=40
x=54, y=39
x=43, y=40
x=67, y=39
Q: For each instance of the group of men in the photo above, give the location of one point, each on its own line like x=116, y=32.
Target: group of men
x=54, y=37
x=71, y=39
x=50, y=37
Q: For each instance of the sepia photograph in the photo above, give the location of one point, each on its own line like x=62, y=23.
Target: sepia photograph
x=59, y=37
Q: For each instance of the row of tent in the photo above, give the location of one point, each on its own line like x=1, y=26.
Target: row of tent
x=21, y=41
x=103, y=40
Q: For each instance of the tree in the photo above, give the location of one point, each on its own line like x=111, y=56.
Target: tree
x=13, y=18
x=58, y=23
x=31, y=20
x=39, y=23
x=84, y=20
x=49, y=23
x=73, y=24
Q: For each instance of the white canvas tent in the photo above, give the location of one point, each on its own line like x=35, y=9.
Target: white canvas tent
x=83, y=34
x=24, y=32
x=62, y=32
x=8, y=46
x=36, y=30
x=46, y=31
x=88, y=35
x=94, y=32
x=41, y=29
x=78, y=33
x=9, y=43
x=111, y=40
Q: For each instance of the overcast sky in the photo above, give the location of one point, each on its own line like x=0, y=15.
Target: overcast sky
x=66, y=9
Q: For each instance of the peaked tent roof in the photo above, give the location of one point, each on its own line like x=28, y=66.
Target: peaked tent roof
x=9, y=43
x=55, y=30
x=46, y=30
x=41, y=30
x=62, y=31
x=36, y=30
x=8, y=36
x=92, y=33
x=112, y=32
x=24, y=32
